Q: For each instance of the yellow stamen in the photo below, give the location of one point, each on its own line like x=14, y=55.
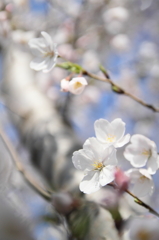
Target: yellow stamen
x=142, y=178
x=77, y=85
x=49, y=54
x=146, y=152
x=98, y=165
x=111, y=138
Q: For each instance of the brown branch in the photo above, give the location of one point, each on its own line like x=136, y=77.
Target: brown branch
x=137, y=200
x=44, y=193
x=118, y=89
x=17, y=161
x=141, y=203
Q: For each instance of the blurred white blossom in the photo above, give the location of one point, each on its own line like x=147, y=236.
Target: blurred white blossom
x=77, y=85
x=111, y=133
x=144, y=229
x=142, y=182
x=117, y=13
x=45, y=51
x=121, y=42
x=98, y=164
x=142, y=151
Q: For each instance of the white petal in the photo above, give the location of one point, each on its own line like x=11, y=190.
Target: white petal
x=141, y=141
x=48, y=40
x=49, y=65
x=93, y=145
x=124, y=140
x=133, y=154
x=90, y=182
x=133, y=174
x=118, y=128
x=81, y=161
x=102, y=130
x=37, y=64
x=152, y=165
x=109, y=156
x=106, y=175
x=143, y=187
x=38, y=44
x=77, y=91
x=82, y=80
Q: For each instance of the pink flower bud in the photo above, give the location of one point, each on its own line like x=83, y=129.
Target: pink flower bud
x=121, y=180
x=64, y=85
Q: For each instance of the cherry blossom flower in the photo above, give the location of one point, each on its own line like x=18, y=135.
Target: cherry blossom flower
x=98, y=164
x=142, y=151
x=45, y=51
x=77, y=85
x=142, y=183
x=144, y=229
x=111, y=133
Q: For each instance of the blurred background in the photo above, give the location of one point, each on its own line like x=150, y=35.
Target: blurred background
x=46, y=125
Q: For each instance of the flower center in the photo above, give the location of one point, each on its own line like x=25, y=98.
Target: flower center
x=143, y=235
x=49, y=54
x=147, y=152
x=98, y=165
x=111, y=138
x=142, y=178
x=77, y=85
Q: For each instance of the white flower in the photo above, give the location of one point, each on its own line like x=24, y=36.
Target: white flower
x=142, y=182
x=45, y=51
x=141, y=151
x=77, y=85
x=144, y=229
x=111, y=133
x=98, y=164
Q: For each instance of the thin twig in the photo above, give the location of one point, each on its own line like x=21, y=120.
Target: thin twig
x=137, y=200
x=120, y=90
x=115, y=88
x=141, y=203
x=45, y=194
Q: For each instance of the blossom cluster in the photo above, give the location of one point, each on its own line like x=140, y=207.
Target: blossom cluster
x=99, y=162
x=46, y=54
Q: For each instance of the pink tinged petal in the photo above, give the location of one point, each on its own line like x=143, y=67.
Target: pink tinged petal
x=81, y=161
x=152, y=165
x=121, y=179
x=109, y=156
x=118, y=128
x=103, y=130
x=124, y=140
x=64, y=85
x=90, y=182
x=106, y=175
x=134, y=155
x=93, y=145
